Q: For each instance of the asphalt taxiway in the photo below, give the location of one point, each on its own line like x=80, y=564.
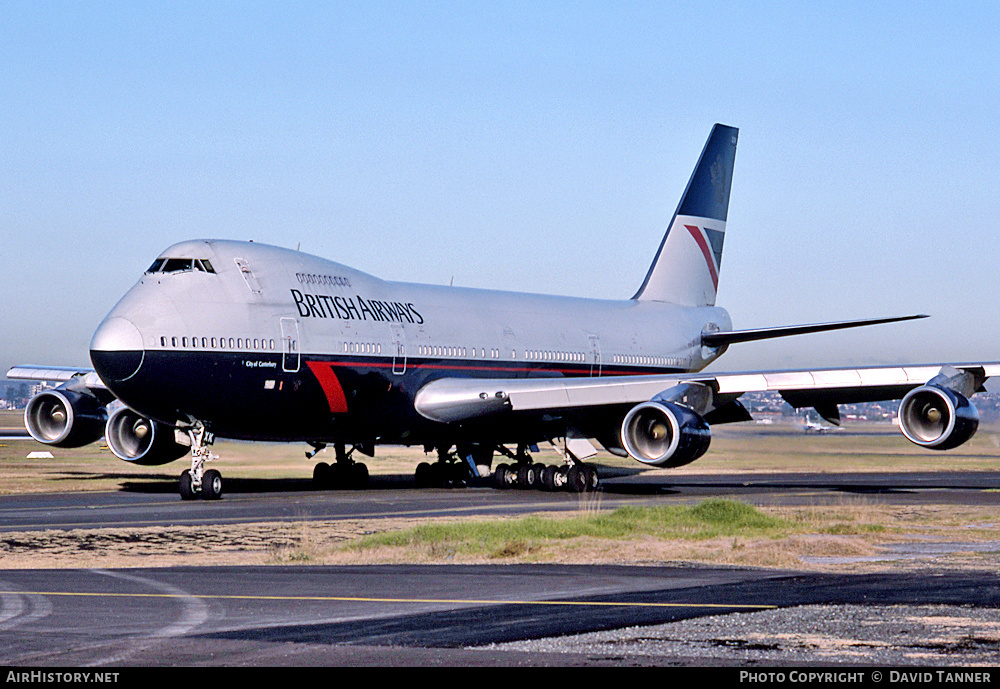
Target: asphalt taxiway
x=155, y=503
x=405, y=615
x=464, y=615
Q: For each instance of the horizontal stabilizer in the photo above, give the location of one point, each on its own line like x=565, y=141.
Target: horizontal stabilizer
x=723, y=338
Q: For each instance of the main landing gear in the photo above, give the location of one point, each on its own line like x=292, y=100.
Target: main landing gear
x=579, y=478
x=344, y=473
x=574, y=476
x=196, y=482
x=456, y=469
x=452, y=469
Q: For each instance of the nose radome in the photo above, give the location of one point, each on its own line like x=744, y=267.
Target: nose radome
x=116, y=349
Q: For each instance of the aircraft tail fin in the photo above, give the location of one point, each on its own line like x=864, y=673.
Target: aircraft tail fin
x=686, y=268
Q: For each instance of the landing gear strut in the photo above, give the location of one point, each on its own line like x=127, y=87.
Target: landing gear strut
x=197, y=482
x=344, y=473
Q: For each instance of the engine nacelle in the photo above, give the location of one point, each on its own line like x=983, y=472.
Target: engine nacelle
x=65, y=418
x=664, y=434
x=937, y=418
x=139, y=440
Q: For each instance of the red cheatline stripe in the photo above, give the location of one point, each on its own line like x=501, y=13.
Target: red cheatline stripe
x=331, y=386
x=703, y=245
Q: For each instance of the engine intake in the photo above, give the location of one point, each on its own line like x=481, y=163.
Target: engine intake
x=65, y=418
x=139, y=440
x=937, y=418
x=664, y=434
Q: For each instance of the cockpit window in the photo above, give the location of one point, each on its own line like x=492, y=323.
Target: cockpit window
x=178, y=265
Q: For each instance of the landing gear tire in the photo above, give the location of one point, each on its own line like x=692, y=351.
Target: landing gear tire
x=321, y=475
x=526, y=476
x=559, y=478
x=424, y=475
x=549, y=478
x=211, y=485
x=576, y=479
x=582, y=478
x=359, y=476
x=185, y=488
x=499, y=476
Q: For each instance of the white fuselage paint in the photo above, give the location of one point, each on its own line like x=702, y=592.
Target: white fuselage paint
x=340, y=310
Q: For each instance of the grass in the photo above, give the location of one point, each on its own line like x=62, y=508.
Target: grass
x=517, y=537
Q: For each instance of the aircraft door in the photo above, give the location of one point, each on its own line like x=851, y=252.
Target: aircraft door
x=595, y=352
x=398, y=348
x=290, y=345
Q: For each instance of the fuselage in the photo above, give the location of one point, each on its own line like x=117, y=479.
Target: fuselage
x=261, y=342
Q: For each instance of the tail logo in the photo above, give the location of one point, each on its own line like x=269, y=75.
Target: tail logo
x=721, y=180
x=710, y=243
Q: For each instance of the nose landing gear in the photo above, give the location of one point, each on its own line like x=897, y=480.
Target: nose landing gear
x=196, y=482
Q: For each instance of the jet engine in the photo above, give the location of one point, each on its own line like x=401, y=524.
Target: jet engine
x=665, y=434
x=139, y=440
x=937, y=418
x=65, y=418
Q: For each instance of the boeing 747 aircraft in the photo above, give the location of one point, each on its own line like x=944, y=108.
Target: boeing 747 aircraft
x=240, y=340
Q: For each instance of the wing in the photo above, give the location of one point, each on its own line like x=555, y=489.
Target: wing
x=659, y=413
x=70, y=415
x=77, y=377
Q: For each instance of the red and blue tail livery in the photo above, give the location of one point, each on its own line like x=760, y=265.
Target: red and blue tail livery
x=685, y=270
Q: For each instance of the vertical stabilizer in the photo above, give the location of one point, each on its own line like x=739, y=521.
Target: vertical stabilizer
x=686, y=268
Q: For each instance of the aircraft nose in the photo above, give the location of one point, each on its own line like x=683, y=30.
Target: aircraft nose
x=116, y=349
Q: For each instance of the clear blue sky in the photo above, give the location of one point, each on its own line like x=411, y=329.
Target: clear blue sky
x=533, y=146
